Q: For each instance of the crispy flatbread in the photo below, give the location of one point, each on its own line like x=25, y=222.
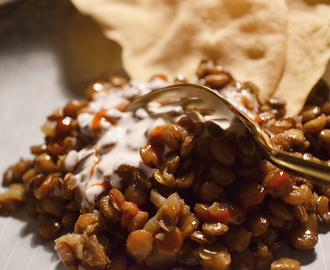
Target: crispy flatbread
x=248, y=37
x=281, y=46
x=308, y=51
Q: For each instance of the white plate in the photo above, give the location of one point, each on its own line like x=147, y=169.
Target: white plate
x=42, y=64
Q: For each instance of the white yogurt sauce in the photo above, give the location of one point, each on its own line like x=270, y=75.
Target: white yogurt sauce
x=118, y=140
x=240, y=98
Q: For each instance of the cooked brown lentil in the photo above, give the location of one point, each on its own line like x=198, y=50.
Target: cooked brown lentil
x=213, y=202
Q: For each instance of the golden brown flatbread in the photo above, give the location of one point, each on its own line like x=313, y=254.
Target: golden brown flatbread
x=246, y=36
x=281, y=46
x=308, y=51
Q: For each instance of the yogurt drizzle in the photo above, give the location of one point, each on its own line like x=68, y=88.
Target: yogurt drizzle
x=118, y=136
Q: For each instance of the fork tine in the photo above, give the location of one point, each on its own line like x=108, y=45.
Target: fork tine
x=187, y=93
x=189, y=103
x=181, y=101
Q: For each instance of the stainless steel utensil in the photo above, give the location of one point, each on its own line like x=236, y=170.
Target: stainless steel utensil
x=220, y=108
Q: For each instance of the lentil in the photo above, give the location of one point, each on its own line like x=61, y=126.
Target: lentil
x=93, y=253
x=169, y=243
x=285, y=264
x=303, y=237
x=139, y=244
x=309, y=112
x=322, y=207
x=223, y=151
x=172, y=136
x=257, y=224
x=49, y=228
x=214, y=257
x=296, y=195
x=188, y=224
x=45, y=164
x=214, y=228
x=217, y=80
x=316, y=124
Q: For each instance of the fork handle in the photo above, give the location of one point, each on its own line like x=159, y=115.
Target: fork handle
x=317, y=173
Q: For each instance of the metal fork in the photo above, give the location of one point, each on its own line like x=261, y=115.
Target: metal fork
x=222, y=108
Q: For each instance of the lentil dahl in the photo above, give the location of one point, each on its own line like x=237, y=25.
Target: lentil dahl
x=210, y=202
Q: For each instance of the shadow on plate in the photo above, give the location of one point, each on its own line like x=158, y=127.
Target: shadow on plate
x=31, y=228
x=305, y=257
x=85, y=54
x=82, y=52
